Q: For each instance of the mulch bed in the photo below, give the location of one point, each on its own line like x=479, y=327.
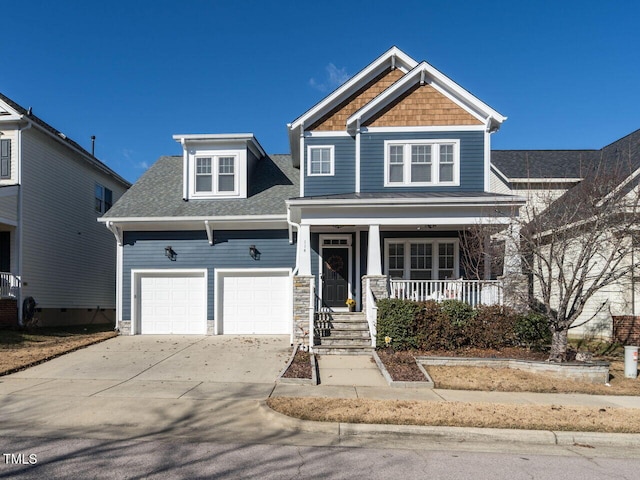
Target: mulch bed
x=300, y=367
x=403, y=368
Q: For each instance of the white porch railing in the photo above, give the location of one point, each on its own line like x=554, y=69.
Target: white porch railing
x=473, y=292
x=371, y=311
x=9, y=285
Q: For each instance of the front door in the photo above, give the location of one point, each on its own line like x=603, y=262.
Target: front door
x=335, y=276
x=5, y=252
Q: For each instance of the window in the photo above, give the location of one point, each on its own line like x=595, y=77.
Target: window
x=320, y=161
x=421, y=163
x=215, y=175
x=104, y=198
x=5, y=158
x=422, y=259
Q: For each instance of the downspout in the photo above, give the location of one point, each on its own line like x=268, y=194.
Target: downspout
x=19, y=213
x=119, y=242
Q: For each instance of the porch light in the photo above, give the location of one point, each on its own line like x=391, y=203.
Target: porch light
x=254, y=252
x=169, y=253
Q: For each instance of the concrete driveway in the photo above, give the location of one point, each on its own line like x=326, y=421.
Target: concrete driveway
x=148, y=384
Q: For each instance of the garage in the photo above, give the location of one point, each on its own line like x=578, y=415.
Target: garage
x=172, y=302
x=253, y=301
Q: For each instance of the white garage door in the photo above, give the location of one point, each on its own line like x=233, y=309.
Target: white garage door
x=255, y=303
x=173, y=304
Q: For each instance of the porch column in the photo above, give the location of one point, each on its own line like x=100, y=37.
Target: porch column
x=304, y=250
x=512, y=260
x=374, y=260
x=487, y=257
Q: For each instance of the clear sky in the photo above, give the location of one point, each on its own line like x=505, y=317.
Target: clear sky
x=566, y=73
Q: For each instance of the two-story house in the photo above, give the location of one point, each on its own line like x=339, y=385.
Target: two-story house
x=384, y=177
x=52, y=249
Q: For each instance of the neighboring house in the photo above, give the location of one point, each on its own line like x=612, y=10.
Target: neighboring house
x=51, y=246
x=384, y=177
x=550, y=179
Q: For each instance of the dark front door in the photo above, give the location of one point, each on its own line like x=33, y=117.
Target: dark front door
x=335, y=276
x=5, y=252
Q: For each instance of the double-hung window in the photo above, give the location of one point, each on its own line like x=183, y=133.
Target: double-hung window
x=422, y=259
x=320, y=160
x=216, y=174
x=422, y=163
x=103, y=198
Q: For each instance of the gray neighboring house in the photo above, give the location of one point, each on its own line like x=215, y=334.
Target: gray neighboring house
x=51, y=246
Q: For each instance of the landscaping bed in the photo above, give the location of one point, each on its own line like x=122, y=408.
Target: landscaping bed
x=20, y=349
x=301, y=368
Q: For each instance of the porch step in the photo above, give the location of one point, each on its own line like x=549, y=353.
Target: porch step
x=342, y=333
x=342, y=350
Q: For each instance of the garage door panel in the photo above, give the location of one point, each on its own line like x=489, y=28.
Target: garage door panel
x=255, y=303
x=172, y=303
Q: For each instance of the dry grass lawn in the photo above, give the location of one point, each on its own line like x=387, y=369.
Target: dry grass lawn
x=457, y=414
x=511, y=380
x=21, y=349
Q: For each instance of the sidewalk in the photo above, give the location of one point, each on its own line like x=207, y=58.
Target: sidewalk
x=359, y=377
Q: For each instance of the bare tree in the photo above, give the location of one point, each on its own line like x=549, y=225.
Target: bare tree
x=580, y=244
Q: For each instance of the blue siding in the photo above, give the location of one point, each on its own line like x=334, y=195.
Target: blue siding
x=344, y=178
x=145, y=250
x=471, y=160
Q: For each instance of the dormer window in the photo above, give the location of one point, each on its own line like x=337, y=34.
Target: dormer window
x=216, y=175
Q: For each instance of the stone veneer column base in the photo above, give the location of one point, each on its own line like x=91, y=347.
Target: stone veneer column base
x=125, y=327
x=516, y=291
x=302, y=288
x=379, y=288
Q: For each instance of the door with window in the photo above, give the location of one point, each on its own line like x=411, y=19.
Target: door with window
x=335, y=272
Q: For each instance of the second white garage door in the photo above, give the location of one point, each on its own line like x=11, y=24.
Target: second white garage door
x=255, y=302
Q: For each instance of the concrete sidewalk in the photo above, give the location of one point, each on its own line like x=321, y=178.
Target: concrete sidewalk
x=359, y=377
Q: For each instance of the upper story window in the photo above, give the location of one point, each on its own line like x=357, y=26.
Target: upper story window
x=320, y=160
x=5, y=158
x=104, y=198
x=422, y=163
x=216, y=175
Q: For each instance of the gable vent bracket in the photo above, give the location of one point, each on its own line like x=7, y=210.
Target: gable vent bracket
x=422, y=77
x=393, y=62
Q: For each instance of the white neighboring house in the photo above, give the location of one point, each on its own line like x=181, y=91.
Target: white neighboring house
x=51, y=246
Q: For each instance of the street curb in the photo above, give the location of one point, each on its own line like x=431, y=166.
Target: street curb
x=531, y=437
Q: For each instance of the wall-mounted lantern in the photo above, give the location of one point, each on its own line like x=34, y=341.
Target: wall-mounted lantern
x=254, y=252
x=170, y=254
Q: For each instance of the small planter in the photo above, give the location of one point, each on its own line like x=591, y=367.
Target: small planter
x=307, y=379
x=427, y=383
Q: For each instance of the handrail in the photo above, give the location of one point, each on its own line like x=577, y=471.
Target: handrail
x=371, y=311
x=473, y=292
x=9, y=285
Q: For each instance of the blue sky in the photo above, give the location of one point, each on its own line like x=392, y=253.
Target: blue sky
x=135, y=72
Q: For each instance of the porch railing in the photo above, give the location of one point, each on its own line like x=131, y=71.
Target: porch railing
x=473, y=292
x=9, y=285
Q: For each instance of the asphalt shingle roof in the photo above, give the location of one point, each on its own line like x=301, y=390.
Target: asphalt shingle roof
x=525, y=164
x=158, y=193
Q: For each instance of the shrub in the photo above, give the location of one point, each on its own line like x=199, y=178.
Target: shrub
x=459, y=313
x=492, y=326
x=532, y=330
x=396, y=319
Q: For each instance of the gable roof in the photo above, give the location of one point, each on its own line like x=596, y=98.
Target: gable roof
x=158, y=193
x=422, y=74
x=22, y=114
x=569, y=165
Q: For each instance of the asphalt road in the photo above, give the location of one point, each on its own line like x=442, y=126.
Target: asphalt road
x=380, y=458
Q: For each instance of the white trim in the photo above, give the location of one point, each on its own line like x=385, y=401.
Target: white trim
x=217, y=304
x=136, y=326
x=302, y=162
x=512, y=200
x=435, y=128
x=435, y=254
x=185, y=170
x=435, y=162
x=213, y=138
x=230, y=218
x=209, y=228
x=348, y=246
x=501, y=175
x=323, y=133
x=545, y=180
x=357, y=182
x=410, y=221
x=215, y=157
x=487, y=161
x=332, y=157
x=358, y=272
x=119, y=292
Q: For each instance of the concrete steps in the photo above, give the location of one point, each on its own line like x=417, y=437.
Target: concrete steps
x=341, y=333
